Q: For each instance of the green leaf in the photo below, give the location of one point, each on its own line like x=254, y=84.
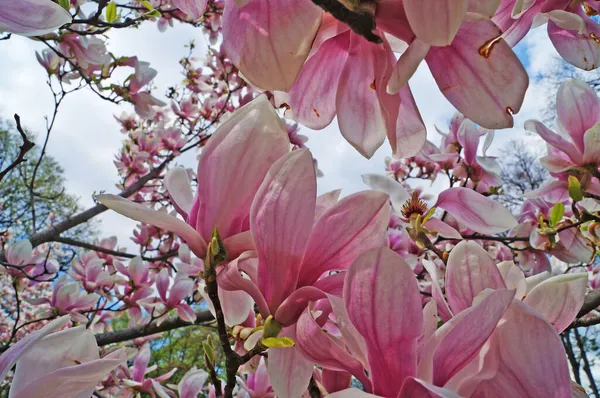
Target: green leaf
x=147, y=5
x=111, y=12
x=575, y=189
x=278, y=342
x=557, y=213
x=64, y=4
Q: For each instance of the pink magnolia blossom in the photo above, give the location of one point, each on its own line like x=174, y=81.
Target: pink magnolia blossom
x=572, y=32
x=137, y=381
x=474, y=68
x=299, y=243
x=471, y=270
x=172, y=297
x=67, y=298
x=254, y=137
x=471, y=209
x=31, y=17
x=193, y=8
x=65, y=363
x=190, y=385
x=257, y=384
x=382, y=327
x=576, y=147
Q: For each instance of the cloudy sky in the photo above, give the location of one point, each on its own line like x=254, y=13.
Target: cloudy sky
x=87, y=137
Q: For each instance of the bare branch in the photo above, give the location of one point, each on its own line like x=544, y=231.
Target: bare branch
x=121, y=335
x=23, y=149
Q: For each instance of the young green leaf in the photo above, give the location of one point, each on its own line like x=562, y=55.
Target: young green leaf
x=557, y=213
x=111, y=12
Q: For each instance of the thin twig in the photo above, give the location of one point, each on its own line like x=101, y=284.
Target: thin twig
x=23, y=149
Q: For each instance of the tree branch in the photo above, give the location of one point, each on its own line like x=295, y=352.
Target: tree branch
x=23, y=149
x=54, y=231
x=99, y=249
x=591, y=302
x=121, y=335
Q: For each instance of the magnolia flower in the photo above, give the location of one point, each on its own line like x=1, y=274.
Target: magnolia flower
x=471, y=270
x=61, y=364
x=474, y=68
x=31, y=17
x=491, y=347
x=190, y=385
x=193, y=8
x=300, y=239
x=471, y=209
x=67, y=298
x=577, y=146
x=255, y=137
x=572, y=32
x=136, y=379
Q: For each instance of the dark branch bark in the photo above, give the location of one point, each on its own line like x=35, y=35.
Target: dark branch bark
x=23, y=149
x=586, y=364
x=89, y=246
x=121, y=335
x=54, y=231
x=566, y=338
x=592, y=300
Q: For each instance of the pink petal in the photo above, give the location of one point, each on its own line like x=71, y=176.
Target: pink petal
x=436, y=291
x=591, y=155
x=312, y=97
x=443, y=229
x=578, y=110
x=269, y=42
x=384, y=304
x=407, y=65
x=436, y=28
x=354, y=342
x=180, y=290
x=78, y=380
x=160, y=219
x=186, y=313
x=514, y=278
x=31, y=17
x=574, y=46
x=236, y=306
x=318, y=347
x=488, y=88
x=20, y=253
x=416, y=388
x=361, y=115
x=559, y=298
x=410, y=134
x=511, y=367
x=292, y=307
x=12, y=355
x=353, y=225
x=468, y=137
x=231, y=279
x=281, y=218
x=193, y=8
x=352, y=393
x=475, y=211
x=459, y=340
x=470, y=270
x=325, y=201
x=162, y=284
x=398, y=194
x=289, y=371
x=178, y=184
x=482, y=8
x=335, y=381
x=253, y=137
